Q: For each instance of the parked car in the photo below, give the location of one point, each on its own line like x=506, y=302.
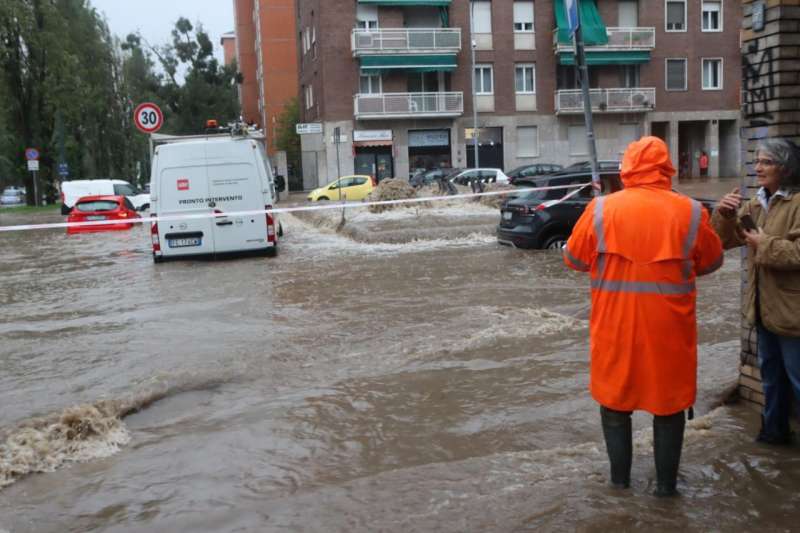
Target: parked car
x=96, y=208
x=529, y=171
x=485, y=175
x=12, y=196
x=72, y=190
x=586, y=166
x=352, y=188
x=432, y=176
x=536, y=219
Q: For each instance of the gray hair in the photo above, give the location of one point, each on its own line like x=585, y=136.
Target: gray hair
x=786, y=155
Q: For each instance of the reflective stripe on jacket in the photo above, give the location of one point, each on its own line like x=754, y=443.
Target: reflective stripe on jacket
x=644, y=247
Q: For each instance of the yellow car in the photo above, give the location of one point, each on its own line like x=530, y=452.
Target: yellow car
x=351, y=187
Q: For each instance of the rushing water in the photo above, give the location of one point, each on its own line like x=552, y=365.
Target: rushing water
x=404, y=374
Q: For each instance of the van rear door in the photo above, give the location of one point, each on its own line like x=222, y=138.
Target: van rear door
x=235, y=186
x=183, y=190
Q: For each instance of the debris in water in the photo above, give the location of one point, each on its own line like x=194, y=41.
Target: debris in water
x=390, y=189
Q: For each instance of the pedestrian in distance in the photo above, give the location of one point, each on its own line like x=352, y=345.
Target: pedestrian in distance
x=643, y=247
x=703, y=162
x=769, y=225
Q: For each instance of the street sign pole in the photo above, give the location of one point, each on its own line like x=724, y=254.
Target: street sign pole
x=35, y=188
x=573, y=15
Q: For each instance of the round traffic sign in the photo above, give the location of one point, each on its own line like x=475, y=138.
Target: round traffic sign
x=31, y=154
x=148, y=117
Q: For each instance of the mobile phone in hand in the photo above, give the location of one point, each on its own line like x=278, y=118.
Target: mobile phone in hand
x=747, y=223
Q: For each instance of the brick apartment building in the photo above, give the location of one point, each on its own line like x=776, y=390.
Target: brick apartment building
x=394, y=76
x=266, y=51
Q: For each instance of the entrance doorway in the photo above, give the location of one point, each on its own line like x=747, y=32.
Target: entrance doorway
x=375, y=161
x=691, y=142
x=490, y=147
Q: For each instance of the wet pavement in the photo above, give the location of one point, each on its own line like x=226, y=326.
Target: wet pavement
x=404, y=374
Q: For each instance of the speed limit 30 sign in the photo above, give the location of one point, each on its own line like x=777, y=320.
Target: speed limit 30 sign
x=148, y=117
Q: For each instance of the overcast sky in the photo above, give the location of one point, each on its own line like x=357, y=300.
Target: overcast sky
x=155, y=19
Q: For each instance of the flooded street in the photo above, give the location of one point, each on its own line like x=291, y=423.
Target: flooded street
x=405, y=374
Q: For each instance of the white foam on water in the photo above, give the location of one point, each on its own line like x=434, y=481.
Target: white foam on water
x=78, y=434
x=449, y=210
x=310, y=240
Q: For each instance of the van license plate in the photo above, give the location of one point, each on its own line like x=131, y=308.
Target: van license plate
x=507, y=215
x=95, y=217
x=182, y=243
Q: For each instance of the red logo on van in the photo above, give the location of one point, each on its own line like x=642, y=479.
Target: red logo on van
x=183, y=185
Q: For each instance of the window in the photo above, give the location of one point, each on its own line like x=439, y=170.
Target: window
x=482, y=16
x=524, y=79
x=629, y=76
x=124, y=190
x=676, y=15
x=370, y=84
x=676, y=74
x=309, y=91
x=712, y=74
x=527, y=141
x=523, y=16
x=483, y=79
x=314, y=34
x=367, y=16
x=307, y=39
x=712, y=16
x=576, y=135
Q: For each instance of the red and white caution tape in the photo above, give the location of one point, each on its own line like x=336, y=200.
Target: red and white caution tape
x=316, y=207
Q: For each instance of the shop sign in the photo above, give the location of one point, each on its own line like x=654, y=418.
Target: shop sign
x=428, y=138
x=309, y=128
x=372, y=135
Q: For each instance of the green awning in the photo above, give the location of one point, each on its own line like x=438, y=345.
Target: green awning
x=592, y=27
x=406, y=2
x=608, y=57
x=413, y=63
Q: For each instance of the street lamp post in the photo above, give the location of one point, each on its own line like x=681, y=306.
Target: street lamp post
x=474, y=105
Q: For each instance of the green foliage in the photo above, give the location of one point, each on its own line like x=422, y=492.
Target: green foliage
x=286, y=137
x=68, y=88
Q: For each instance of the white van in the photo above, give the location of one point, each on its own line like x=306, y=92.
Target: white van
x=194, y=178
x=71, y=191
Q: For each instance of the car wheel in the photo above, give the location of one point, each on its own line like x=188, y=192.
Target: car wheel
x=280, y=229
x=65, y=210
x=323, y=199
x=145, y=207
x=158, y=259
x=555, y=242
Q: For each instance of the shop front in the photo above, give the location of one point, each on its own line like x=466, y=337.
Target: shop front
x=490, y=147
x=373, y=153
x=428, y=149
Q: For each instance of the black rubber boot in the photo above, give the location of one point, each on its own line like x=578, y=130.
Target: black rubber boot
x=619, y=444
x=667, y=445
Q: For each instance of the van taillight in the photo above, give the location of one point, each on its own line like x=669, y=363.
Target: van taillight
x=270, y=224
x=154, y=237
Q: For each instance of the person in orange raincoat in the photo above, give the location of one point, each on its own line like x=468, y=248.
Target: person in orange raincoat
x=644, y=247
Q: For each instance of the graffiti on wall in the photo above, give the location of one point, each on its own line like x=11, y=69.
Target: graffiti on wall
x=758, y=84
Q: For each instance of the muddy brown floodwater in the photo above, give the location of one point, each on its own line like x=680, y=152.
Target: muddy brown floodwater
x=405, y=374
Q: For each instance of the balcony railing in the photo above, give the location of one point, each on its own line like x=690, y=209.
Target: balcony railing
x=408, y=105
x=618, y=39
x=406, y=41
x=635, y=100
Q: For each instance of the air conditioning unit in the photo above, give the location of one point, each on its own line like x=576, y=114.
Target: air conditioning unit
x=640, y=99
x=365, y=40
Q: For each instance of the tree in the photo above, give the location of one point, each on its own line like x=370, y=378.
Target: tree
x=286, y=137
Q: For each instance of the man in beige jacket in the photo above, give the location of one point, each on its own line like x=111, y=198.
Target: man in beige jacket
x=772, y=295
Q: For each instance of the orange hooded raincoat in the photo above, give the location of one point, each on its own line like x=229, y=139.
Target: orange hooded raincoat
x=644, y=247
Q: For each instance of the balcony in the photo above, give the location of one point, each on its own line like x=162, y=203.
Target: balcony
x=406, y=41
x=408, y=105
x=618, y=39
x=635, y=100
x=625, y=46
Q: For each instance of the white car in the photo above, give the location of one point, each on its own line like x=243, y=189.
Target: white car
x=485, y=175
x=12, y=196
x=71, y=191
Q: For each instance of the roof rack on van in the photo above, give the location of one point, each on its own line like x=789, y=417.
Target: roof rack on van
x=237, y=129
